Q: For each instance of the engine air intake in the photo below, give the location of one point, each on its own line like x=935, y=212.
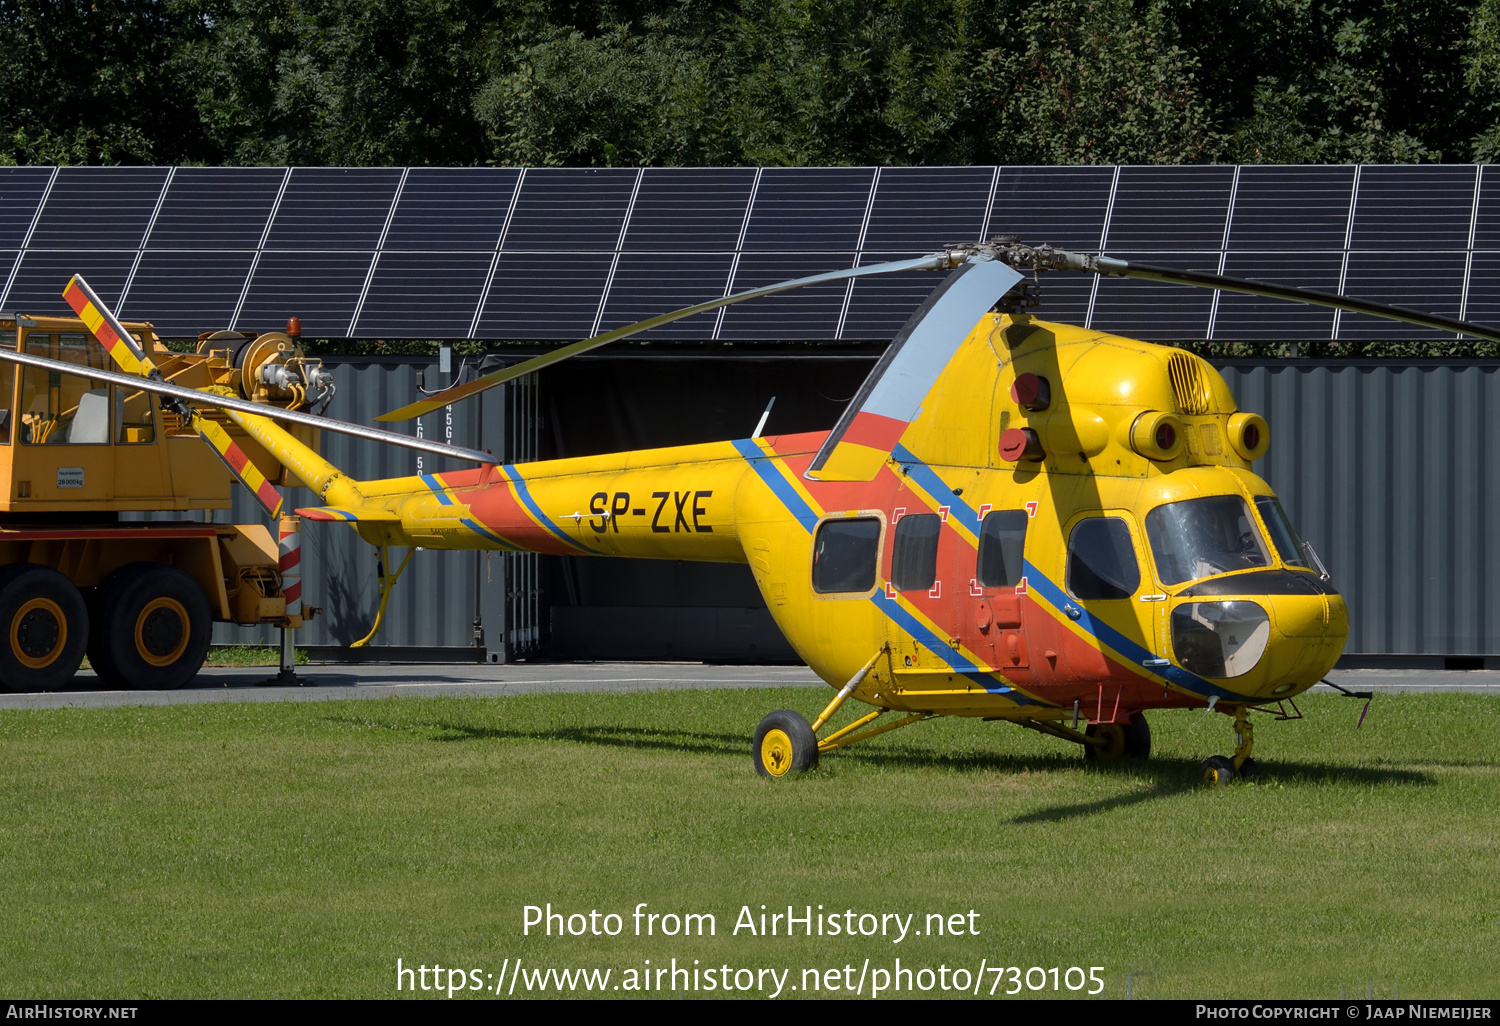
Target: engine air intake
x=1189, y=385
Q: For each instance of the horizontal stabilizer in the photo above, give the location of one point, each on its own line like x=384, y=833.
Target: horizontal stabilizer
x=349, y=514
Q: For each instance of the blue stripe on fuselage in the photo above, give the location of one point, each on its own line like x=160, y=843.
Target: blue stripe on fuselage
x=515, y=478
x=1102, y=632
x=762, y=465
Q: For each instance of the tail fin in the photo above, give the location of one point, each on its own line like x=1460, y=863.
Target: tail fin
x=892, y=395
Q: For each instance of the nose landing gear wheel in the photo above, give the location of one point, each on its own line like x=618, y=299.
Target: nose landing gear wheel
x=784, y=744
x=45, y=629
x=1216, y=770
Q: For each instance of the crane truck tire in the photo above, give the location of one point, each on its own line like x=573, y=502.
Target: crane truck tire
x=46, y=627
x=152, y=627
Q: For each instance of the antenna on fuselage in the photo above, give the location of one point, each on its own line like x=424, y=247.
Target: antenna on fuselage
x=760, y=425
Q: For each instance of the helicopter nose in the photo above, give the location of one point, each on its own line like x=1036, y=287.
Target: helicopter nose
x=1313, y=630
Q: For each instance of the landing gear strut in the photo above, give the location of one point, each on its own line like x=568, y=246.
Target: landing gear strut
x=1218, y=769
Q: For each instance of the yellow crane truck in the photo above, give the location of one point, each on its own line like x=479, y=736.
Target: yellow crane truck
x=139, y=598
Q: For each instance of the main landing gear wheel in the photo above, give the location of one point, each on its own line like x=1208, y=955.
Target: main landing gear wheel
x=1217, y=769
x=784, y=744
x=46, y=627
x=1128, y=740
x=152, y=627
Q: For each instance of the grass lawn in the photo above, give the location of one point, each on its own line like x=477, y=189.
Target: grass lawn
x=299, y=849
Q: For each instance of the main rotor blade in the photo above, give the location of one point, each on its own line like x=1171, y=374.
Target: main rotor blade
x=1048, y=258
x=1251, y=287
x=504, y=374
x=197, y=398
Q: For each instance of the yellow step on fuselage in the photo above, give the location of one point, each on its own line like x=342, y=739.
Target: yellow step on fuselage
x=1149, y=626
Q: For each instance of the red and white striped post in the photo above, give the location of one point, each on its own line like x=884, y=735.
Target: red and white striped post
x=290, y=564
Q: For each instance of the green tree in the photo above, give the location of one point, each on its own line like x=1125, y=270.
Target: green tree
x=90, y=81
x=337, y=81
x=1095, y=81
x=1334, y=81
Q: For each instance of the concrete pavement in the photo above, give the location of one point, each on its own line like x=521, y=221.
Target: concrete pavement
x=328, y=682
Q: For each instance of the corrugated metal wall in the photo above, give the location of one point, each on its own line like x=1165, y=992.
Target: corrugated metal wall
x=1387, y=468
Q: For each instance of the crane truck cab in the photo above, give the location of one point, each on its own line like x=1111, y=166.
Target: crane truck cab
x=83, y=570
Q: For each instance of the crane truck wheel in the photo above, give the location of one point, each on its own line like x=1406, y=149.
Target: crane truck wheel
x=152, y=627
x=46, y=627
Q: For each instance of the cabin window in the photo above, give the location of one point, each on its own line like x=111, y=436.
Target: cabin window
x=1202, y=537
x=914, y=559
x=1288, y=545
x=133, y=421
x=1101, y=560
x=844, y=555
x=64, y=408
x=1002, y=540
x=8, y=389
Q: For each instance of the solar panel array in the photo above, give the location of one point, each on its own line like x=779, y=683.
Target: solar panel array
x=561, y=253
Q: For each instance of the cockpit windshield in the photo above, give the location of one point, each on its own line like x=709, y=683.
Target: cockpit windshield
x=1288, y=545
x=1202, y=537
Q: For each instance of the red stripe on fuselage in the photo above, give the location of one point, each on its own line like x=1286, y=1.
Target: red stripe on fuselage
x=496, y=506
x=1079, y=666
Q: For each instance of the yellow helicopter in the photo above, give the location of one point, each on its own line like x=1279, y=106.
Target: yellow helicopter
x=1014, y=519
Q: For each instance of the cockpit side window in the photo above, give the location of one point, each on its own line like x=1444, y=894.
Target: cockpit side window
x=844, y=555
x=1101, y=560
x=1288, y=545
x=1203, y=537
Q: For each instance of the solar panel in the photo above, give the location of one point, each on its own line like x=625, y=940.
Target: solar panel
x=1421, y=207
x=1063, y=206
x=423, y=295
x=1487, y=219
x=1411, y=235
x=1248, y=318
x=647, y=284
x=1429, y=282
x=1484, y=290
x=570, y=209
x=810, y=313
x=1170, y=208
x=544, y=295
x=701, y=209
x=448, y=208
x=185, y=292
x=1153, y=311
x=320, y=288
x=809, y=208
x=99, y=208
x=1276, y=208
x=923, y=208
x=1065, y=297
x=43, y=275
x=329, y=208
x=21, y=190
x=880, y=305
x=216, y=208
x=7, y=261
